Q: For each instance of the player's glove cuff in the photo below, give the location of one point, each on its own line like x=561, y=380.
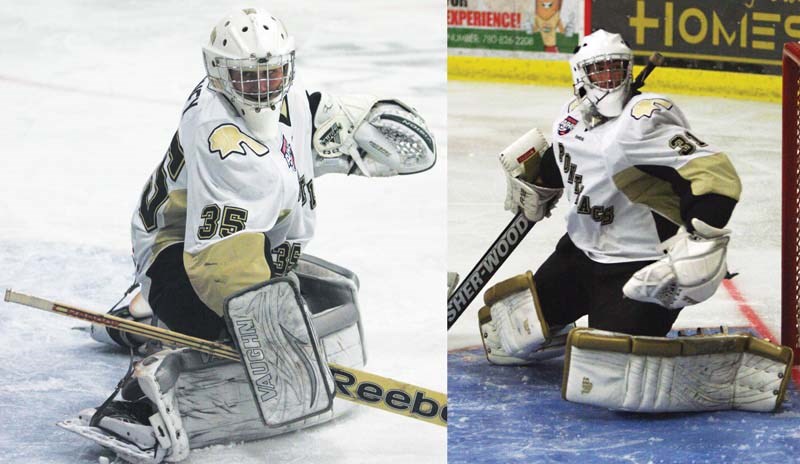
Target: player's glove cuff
x=536, y=202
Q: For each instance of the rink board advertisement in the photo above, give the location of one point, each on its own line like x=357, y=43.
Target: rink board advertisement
x=487, y=26
x=743, y=35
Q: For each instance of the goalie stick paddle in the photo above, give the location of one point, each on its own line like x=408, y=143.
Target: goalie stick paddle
x=350, y=384
x=486, y=267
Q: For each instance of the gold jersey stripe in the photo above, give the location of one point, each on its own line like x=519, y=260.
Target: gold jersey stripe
x=227, y=267
x=174, y=229
x=655, y=193
x=712, y=174
x=709, y=174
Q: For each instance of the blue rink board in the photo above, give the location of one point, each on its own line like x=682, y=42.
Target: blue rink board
x=516, y=414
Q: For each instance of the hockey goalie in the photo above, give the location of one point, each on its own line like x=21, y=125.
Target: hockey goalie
x=218, y=241
x=647, y=203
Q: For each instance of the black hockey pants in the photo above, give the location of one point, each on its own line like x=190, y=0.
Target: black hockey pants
x=570, y=285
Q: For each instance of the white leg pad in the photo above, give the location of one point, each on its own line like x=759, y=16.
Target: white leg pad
x=281, y=351
x=204, y=401
x=512, y=327
x=656, y=374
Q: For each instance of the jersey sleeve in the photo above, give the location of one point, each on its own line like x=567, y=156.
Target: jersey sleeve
x=669, y=168
x=234, y=197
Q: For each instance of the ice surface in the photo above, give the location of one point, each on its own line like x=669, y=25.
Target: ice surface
x=92, y=93
x=515, y=414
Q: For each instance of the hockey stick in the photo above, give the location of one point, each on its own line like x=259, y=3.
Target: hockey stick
x=351, y=384
x=656, y=59
x=487, y=266
x=508, y=240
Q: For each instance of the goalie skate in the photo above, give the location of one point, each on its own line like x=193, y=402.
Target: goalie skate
x=117, y=440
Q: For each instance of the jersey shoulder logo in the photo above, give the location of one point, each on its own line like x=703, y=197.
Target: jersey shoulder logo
x=228, y=139
x=288, y=154
x=566, y=126
x=646, y=108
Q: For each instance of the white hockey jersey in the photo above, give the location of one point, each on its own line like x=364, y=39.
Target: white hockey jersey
x=607, y=173
x=243, y=208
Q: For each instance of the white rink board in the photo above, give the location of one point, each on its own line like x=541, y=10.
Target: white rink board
x=92, y=93
x=485, y=118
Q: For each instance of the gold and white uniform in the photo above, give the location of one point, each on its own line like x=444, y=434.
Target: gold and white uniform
x=614, y=176
x=243, y=208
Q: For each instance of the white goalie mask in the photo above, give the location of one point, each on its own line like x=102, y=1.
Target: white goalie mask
x=601, y=72
x=250, y=59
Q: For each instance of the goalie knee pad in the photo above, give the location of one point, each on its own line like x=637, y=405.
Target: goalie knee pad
x=512, y=327
x=655, y=374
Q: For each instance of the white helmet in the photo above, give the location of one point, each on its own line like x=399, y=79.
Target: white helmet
x=601, y=71
x=250, y=59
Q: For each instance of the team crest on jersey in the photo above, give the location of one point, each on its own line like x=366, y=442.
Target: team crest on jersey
x=228, y=139
x=646, y=108
x=565, y=126
x=288, y=154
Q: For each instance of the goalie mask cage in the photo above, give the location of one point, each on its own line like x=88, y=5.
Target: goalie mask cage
x=790, y=240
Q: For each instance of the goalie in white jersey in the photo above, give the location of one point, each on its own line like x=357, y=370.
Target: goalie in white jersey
x=647, y=202
x=218, y=239
x=233, y=202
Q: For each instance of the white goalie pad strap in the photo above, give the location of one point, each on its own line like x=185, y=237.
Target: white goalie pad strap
x=280, y=351
x=536, y=202
x=512, y=327
x=167, y=423
x=689, y=273
x=655, y=374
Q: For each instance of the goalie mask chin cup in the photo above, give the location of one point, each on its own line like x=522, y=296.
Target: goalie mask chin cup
x=602, y=70
x=250, y=59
